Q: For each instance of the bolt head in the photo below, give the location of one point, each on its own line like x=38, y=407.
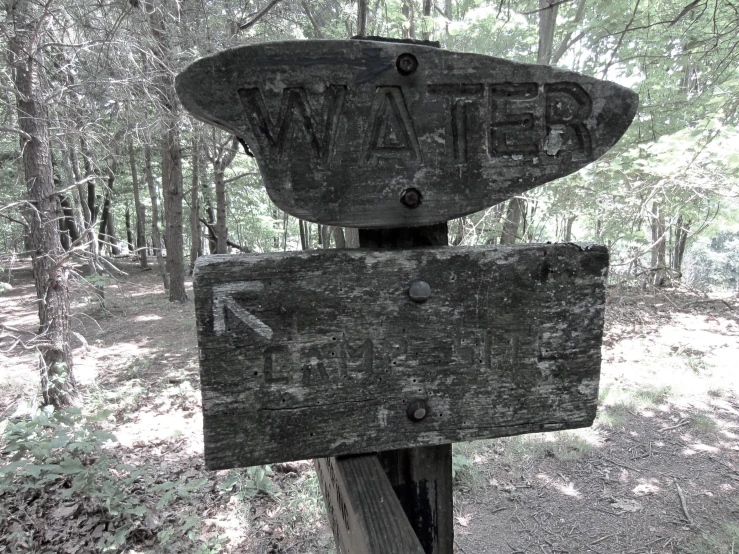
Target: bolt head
x=417, y=410
x=406, y=64
x=411, y=198
x=419, y=291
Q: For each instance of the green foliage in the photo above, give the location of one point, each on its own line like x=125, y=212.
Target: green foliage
x=713, y=264
x=725, y=540
x=63, y=455
x=245, y=483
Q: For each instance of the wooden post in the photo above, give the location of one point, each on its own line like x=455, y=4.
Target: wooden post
x=364, y=514
x=421, y=477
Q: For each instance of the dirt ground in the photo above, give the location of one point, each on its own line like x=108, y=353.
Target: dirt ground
x=657, y=473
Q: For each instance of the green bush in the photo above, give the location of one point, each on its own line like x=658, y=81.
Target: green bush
x=57, y=460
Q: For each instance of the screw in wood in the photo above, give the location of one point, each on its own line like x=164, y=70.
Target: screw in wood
x=419, y=291
x=406, y=64
x=411, y=198
x=417, y=410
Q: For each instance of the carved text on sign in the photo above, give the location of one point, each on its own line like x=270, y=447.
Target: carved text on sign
x=522, y=121
x=341, y=129
x=508, y=341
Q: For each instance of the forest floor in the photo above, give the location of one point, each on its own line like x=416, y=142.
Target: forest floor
x=657, y=473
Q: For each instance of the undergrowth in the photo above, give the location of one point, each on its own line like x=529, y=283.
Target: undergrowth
x=64, y=463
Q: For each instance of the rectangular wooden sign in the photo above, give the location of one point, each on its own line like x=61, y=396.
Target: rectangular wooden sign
x=323, y=353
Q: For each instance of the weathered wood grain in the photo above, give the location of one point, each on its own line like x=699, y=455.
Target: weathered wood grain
x=422, y=476
x=422, y=480
x=342, y=128
x=364, y=513
x=311, y=354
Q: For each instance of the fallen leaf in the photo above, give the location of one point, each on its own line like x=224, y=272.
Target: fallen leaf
x=63, y=512
x=626, y=505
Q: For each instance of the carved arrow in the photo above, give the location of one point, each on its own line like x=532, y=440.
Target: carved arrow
x=223, y=297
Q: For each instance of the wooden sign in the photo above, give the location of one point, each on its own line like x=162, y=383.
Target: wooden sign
x=322, y=353
x=377, y=134
x=363, y=511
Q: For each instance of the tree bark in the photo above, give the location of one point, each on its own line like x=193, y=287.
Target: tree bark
x=212, y=236
x=70, y=225
x=459, y=236
x=339, y=239
x=568, y=228
x=129, y=232
x=303, y=237
x=362, y=18
x=172, y=188
x=106, y=234
x=512, y=221
x=352, y=237
x=426, y=34
x=195, y=248
x=171, y=152
x=681, y=238
x=221, y=157
x=50, y=274
x=547, y=24
x=156, y=240
x=658, y=246
x=140, y=210
x=409, y=31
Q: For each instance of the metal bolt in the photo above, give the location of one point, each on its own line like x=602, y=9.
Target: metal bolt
x=406, y=64
x=417, y=410
x=419, y=291
x=411, y=198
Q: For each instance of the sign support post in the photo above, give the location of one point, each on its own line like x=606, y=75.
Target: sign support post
x=421, y=477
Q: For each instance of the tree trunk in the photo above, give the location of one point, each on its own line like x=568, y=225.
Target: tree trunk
x=459, y=236
x=156, y=240
x=140, y=210
x=409, y=30
x=172, y=188
x=658, y=246
x=568, y=228
x=221, y=230
x=512, y=221
x=195, y=249
x=325, y=236
x=171, y=151
x=361, y=18
x=352, y=237
x=89, y=200
x=129, y=232
x=547, y=24
x=303, y=237
x=221, y=156
x=70, y=225
x=50, y=274
x=212, y=238
x=681, y=238
x=339, y=237
x=426, y=34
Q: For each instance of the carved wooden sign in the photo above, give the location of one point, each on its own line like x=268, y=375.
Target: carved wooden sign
x=322, y=353
x=376, y=134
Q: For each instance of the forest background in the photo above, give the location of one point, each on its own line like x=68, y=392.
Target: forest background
x=98, y=160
